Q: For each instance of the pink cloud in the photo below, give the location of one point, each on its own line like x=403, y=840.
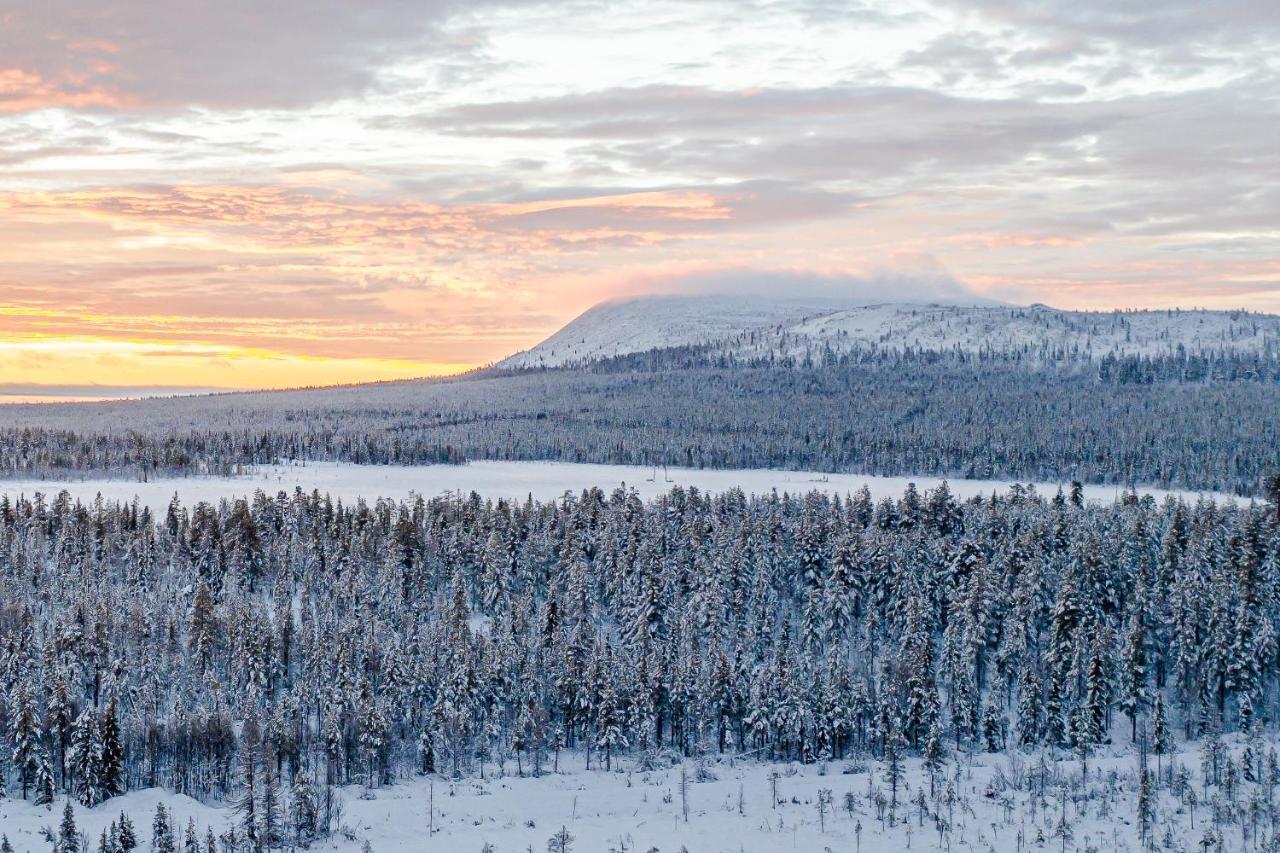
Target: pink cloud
x=24, y=91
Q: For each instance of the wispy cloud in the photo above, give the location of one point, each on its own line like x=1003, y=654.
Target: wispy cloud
x=252, y=193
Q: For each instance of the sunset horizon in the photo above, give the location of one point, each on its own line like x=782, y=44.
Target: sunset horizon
x=252, y=198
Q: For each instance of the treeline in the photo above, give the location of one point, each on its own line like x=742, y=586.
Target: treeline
x=763, y=349
x=293, y=643
x=36, y=451
x=912, y=414
x=1182, y=367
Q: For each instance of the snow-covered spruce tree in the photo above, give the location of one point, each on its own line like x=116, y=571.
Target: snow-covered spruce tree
x=608, y=722
x=59, y=717
x=163, y=839
x=1134, y=696
x=68, y=834
x=247, y=802
x=112, y=761
x=934, y=756
x=85, y=758
x=43, y=782
x=893, y=772
x=1029, y=707
x=128, y=838
x=304, y=811
x=25, y=734
x=272, y=809
x=372, y=728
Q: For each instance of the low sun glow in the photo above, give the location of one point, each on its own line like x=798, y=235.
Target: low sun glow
x=430, y=191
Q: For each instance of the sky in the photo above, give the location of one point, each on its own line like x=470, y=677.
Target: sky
x=242, y=194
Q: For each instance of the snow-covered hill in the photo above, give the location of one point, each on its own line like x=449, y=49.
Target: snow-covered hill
x=1034, y=330
x=635, y=325
x=749, y=326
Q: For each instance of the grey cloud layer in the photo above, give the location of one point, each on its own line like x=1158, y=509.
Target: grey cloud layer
x=1148, y=131
x=1187, y=161
x=924, y=283
x=223, y=55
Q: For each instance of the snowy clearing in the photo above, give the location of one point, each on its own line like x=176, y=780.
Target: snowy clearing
x=518, y=480
x=985, y=802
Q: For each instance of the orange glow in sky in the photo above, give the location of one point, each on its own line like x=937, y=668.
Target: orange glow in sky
x=191, y=197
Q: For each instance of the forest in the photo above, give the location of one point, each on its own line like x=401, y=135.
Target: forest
x=1178, y=421
x=263, y=651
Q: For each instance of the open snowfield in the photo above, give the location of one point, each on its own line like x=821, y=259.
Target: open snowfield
x=515, y=480
x=988, y=802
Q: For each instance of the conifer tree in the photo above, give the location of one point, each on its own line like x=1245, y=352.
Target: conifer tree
x=304, y=810
x=68, y=833
x=1146, y=804
x=128, y=837
x=59, y=722
x=1134, y=698
x=373, y=729
x=272, y=833
x=25, y=734
x=893, y=770
x=112, y=761
x=246, y=806
x=85, y=757
x=1160, y=732
x=934, y=756
x=991, y=729
x=43, y=782
x=162, y=835
x=1029, y=705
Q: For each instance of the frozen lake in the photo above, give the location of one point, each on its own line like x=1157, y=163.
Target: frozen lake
x=516, y=480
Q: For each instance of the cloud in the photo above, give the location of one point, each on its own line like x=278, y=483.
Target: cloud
x=787, y=134
x=324, y=273
x=442, y=180
x=311, y=220
x=918, y=279
x=1197, y=152
x=100, y=392
x=1182, y=24
x=138, y=55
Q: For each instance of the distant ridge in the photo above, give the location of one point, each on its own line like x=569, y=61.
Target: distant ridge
x=650, y=322
x=761, y=326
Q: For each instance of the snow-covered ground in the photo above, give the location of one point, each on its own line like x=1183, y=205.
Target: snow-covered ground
x=515, y=480
x=987, y=802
